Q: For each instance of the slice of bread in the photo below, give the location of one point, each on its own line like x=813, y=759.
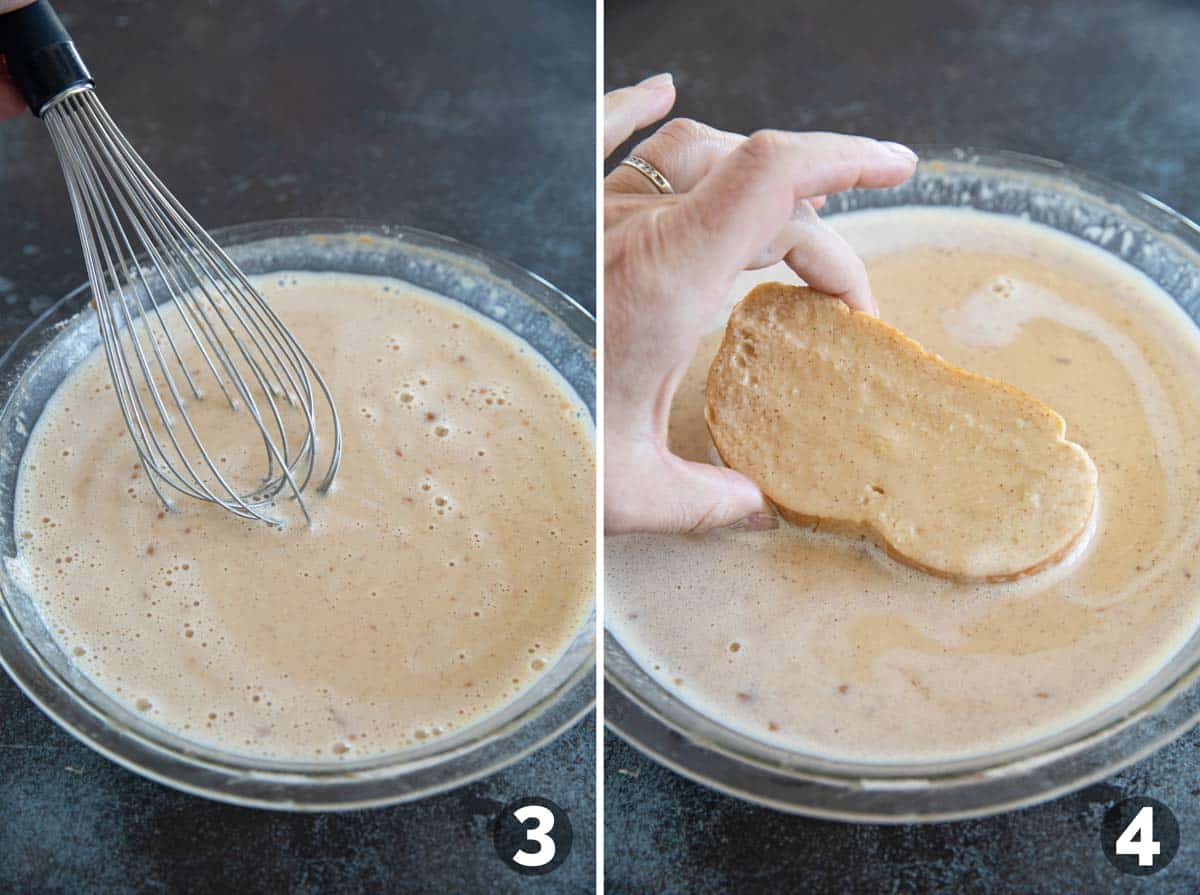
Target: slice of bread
x=844, y=422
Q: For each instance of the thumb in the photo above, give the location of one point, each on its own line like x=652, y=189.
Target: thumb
x=632, y=108
x=704, y=497
x=696, y=497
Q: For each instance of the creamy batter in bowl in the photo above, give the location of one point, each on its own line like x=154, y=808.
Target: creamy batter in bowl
x=415, y=758
x=826, y=756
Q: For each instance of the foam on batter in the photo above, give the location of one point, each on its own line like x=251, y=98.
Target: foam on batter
x=820, y=644
x=450, y=565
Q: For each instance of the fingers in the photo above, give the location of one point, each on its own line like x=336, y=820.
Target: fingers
x=803, y=220
x=11, y=103
x=753, y=192
x=676, y=496
x=684, y=151
x=824, y=260
x=705, y=497
x=632, y=108
x=821, y=257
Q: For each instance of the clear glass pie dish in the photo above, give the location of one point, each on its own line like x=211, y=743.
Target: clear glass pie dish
x=1144, y=234
x=31, y=369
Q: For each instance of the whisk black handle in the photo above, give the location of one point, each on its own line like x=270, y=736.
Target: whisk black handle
x=40, y=55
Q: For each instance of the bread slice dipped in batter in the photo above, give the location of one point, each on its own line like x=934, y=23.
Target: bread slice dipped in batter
x=845, y=422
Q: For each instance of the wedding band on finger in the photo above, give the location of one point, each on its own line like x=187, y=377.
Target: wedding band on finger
x=651, y=173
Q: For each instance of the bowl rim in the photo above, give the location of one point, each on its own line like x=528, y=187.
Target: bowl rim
x=820, y=793
x=557, y=711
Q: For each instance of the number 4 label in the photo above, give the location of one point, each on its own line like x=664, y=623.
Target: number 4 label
x=1138, y=838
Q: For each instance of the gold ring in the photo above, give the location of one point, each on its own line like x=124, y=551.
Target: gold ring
x=651, y=173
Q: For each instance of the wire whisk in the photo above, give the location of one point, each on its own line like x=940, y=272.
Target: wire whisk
x=180, y=322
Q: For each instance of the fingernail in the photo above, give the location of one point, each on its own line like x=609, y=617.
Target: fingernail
x=756, y=522
x=899, y=149
x=658, y=82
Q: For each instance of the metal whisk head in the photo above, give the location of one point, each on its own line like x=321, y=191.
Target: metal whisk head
x=180, y=322
x=245, y=352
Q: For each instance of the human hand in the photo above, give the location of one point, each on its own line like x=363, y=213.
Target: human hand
x=669, y=262
x=11, y=103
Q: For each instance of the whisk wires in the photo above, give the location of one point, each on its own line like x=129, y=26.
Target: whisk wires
x=162, y=284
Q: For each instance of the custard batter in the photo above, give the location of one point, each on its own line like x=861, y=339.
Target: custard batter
x=821, y=644
x=450, y=564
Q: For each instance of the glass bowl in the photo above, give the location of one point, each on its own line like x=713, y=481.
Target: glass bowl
x=1145, y=234
x=554, y=325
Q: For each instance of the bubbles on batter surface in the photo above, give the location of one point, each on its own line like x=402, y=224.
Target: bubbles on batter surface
x=166, y=601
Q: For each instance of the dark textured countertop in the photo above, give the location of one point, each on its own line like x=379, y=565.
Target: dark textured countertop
x=471, y=120
x=1108, y=87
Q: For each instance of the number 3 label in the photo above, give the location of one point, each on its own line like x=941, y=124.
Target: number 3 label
x=1139, y=836
x=532, y=836
x=537, y=835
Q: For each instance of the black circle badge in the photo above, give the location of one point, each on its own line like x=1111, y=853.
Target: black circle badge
x=1139, y=836
x=532, y=836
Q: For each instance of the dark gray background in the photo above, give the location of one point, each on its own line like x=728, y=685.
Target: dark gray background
x=471, y=119
x=1111, y=87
